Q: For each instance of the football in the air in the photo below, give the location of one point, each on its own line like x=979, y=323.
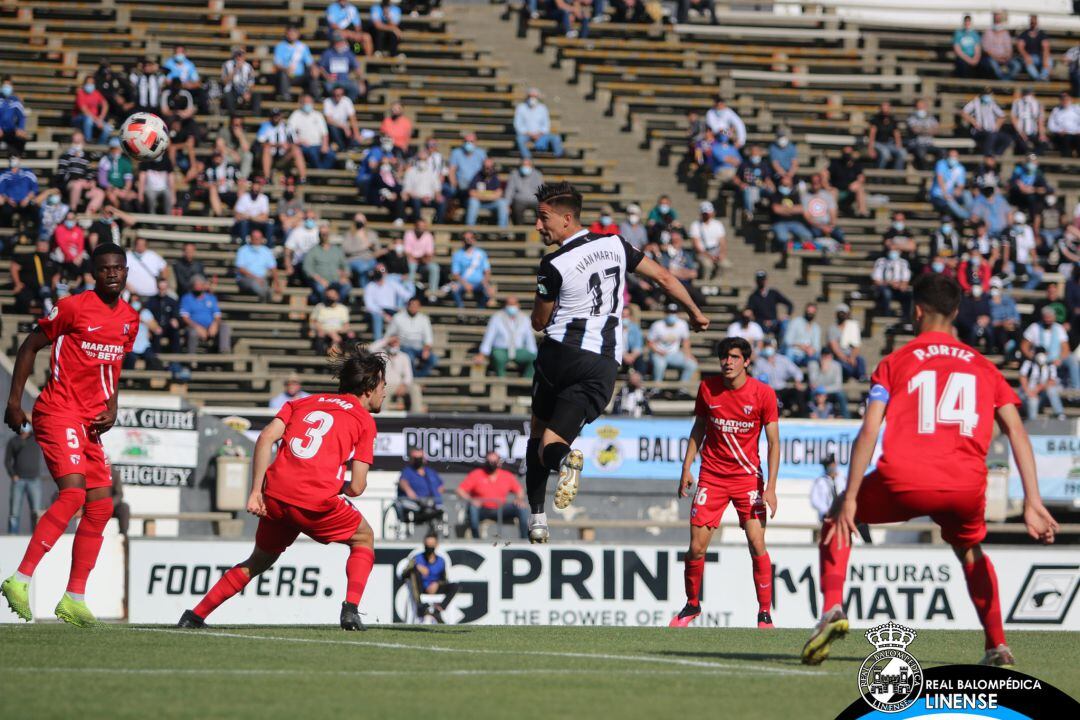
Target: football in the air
x=144, y=136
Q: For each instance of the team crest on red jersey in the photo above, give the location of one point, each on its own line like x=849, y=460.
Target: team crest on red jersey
x=748, y=409
x=127, y=328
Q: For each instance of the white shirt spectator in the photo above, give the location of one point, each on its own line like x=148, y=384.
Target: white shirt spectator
x=824, y=491
x=276, y=134
x=338, y=113
x=985, y=114
x=508, y=333
x=308, y=128
x=300, y=240
x=1048, y=338
x=848, y=335
x=1037, y=374
x=1027, y=111
x=710, y=233
x=414, y=331
x=727, y=122
x=330, y=318
x=887, y=270
x=751, y=332
x=242, y=81
x=1064, y=120
x=279, y=400
x=253, y=206
x=421, y=180
x=143, y=272
x=1024, y=242
x=384, y=296
x=669, y=338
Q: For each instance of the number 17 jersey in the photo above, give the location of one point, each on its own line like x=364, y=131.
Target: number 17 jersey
x=941, y=399
x=322, y=433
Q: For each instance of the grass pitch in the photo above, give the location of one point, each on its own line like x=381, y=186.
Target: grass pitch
x=54, y=671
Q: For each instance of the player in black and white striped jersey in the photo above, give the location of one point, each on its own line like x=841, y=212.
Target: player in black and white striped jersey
x=578, y=307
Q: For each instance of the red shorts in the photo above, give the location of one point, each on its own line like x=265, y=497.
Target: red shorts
x=284, y=522
x=961, y=513
x=68, y=449
x=714, y=494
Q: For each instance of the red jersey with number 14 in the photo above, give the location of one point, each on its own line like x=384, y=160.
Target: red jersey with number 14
x=734, y=421
x=322, y=433
x=941, y=397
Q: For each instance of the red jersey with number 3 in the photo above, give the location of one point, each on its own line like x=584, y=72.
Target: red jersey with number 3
x=89, y=341
x=734, y=421
x=322, y=433
x=941, y=397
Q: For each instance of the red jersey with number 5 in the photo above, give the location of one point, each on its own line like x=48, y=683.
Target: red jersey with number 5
x=322, y=433
x=734, y=421
x=941, y=397
x=89, y=341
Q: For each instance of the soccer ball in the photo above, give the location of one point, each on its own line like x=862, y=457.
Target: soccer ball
x=144, y=136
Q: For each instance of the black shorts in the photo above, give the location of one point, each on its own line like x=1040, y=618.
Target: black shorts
x=571, y=387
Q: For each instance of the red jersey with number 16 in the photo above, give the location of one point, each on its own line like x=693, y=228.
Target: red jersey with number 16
x=322, y=433
x=941, y=397
x=734, y=421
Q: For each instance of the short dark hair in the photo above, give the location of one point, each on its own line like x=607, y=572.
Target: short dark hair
x=107, y=248
x=561, y=195
x=358, y=370
x=725, y=346
x=938, y=294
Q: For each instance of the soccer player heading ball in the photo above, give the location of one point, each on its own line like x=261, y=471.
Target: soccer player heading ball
x=301, y=491
x=938, y=398
x=90, y=333
x=578, y=307
x=731, y=411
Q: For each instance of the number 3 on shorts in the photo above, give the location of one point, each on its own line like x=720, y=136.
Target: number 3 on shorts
x=72, y=438
x=702, y=496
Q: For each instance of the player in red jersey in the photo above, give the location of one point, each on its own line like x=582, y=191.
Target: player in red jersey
x=732, y=410
x=301, y=491
x=939, y=400
x=90, y=334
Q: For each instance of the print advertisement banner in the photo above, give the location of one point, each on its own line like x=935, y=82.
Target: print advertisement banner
x=605, y=585
x=1058, y=460
x=153, y=446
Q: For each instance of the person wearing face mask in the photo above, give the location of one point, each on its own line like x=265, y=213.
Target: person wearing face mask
x=520, y=193
x=486, y=193
x=847, y=177
x=710, y=241
x=24, y=463
x=973, y=322
x=899, y=237
x=382, y=299
x=178, y=110
x=403, y=392
x=945, y=242
x=508, y=337
x=398, y=127
x=370, y=165
x=493, y=493
x=70, y=241
x=985, y=118
x=1039, y=384
x=748, y=329
x=923, y=126
x=143, y=348
x=669, y=346
x=466, y=161
x=1025, y=252
x=325, y=267
x=632, y=229
x=1028, y=121
x=299, y=242
x=278, y=149
x=992, y=209
x=329, y=325
x=1033, y=49
x=783, y=376
x=237, y=79
x=1028, y=189
x=12, y=118
x=426, y=574
x=180, y=67
x=998, y=50
x=883, y=142
x=1004, y=319
x=422, y=186
x=634, y=352
x=605, y=224
x=975, y=270
x=200, y=312
x=532, y=127
x=53, y=213
x=386, y=29
x=419, y=490
x=470, y=272
x=340, y=114
x=18, y=192
x=821, y=215
x=219, y=178
x=633, y=399
x=1048, y=333
x=845, y=342
x=948, y=190
x=802, y=338
x=967, y=50
x=783, y=156
x=91, y=112
x=310, y=132
x=74, y=177
x=661, y=217
x=116, y=176
x=338, y=66
x=252, y=209
x=754, y=180
x=413, y=328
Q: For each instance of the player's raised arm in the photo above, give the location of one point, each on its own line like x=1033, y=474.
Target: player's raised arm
x=264, y=448
x=861, y=454
x=674, y=289
x=697, y=434
x=1041, y=525
x=772, y=439
x=14, y=416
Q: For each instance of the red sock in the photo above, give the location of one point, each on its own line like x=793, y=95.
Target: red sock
x=232, y=582
x=693, y=574
x=763, y=581
x=88, y=539
x=834, y=563
x=357, y=569
x=982, y=587
x=51, y=526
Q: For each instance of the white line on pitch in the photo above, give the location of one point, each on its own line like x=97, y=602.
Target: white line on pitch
x=749, y=668
x=341, y=673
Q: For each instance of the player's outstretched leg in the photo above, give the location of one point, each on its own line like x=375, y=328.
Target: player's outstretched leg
x=833, y=624
x=983, y=589
x=16, y=589
x=693, y=574
x=357, y=570
x=762, y=570
x=536, y=479
x=231, y=583
x=72, y=607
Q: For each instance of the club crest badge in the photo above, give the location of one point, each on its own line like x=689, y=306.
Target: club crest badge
x=890, y=679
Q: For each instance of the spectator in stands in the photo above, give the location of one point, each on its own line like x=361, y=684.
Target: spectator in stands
x=680, y=260
x=397, y=266
x=985, y=119
x=633, y=341
x=725, y=122
x=605, y=224
x=532, y=125
x=252, y=209
x=846, y=175
x=826, y=376
x=1024, y=246
x=108, y=227
x=898, y=237
x=144, y=268
x=386, y=23
x=92, y=112
x=116, y=177
x=631, y=11
x=568, y=13
x=1064, y=127
x=388, y=191
x=180, y=67
x=992, y=209
x=339, y=67
x=155, y=188
x=220, y=177
x=147, y=82
x=234, y=144
x=201, y=315
x=24, y=463
x=165, y=307
x=923, y=126
x=710, y=241
x=178, y=110
x=1048, y=333
x=883, y=142
x=632, y=229
x=720, y=156
x=521, y=187
x=821, y=215
x=783, y=376
x=33, y=279
x=765, y=301
x=237, y=81
x=142, y=348
x=117, y=91
x=967, y=47
x=405, y=393
x=466, y=161
x=309, y=131
x=69, y=240
x=422, y=186
x=12, y=118
x=398, y=127
x=1033, y=47
x=660, y=218
x=974, y=272
x=328, y=325
x=420, y=253
x=1028, y=123
x=748, y=329
x=802, y=338
x=892, y=281
x=289, y=212
x=293, y=63
x=508, y=338
x=293, y=391
x=18, y=193
x=669, y=346
x=845, y=341
x=343, y=19
x=633, y=399
x=493, y=494
x=783, y=157
x=382, y=299
x=256, y=268
x=788, y=216
x=74, y=177
x=1004, y=319
x=299, y=242
x=948, y=191
x=945, y=243
x=1028, y=187
x=413, y=328
x=53, y=214
x=820, y=407
x=340, y=115
x=754, y=180
x=187, y=267
x=1039, y=383
x=486, y=193
x=360, y=244
x=419, y=490
x=998, y=50
x=278, y=148
x=470, y=272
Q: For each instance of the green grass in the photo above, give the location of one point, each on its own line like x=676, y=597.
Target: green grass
x=54, y=671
